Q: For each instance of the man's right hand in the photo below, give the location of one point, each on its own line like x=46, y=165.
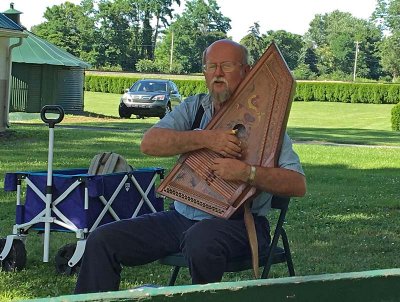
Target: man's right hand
x=224, y=142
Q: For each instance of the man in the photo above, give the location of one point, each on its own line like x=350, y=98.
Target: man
x=206, y=241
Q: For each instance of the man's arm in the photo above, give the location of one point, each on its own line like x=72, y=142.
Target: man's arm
x=279, y=181
x=168, y=142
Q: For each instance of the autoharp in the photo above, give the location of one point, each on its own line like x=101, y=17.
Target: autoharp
x=258, y=110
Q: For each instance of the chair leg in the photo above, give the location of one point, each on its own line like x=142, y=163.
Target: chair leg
x=265, y=272
x=174, y=275
x=288, y=255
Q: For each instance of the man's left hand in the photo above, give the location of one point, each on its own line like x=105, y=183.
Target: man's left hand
x=230, y=169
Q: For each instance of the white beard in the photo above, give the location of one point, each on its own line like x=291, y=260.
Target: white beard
x=220, y=98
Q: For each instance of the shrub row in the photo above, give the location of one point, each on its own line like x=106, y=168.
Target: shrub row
x=305, y=91
x=112, y=84
x=396, y=117
x=348, y=92
x=108, y=84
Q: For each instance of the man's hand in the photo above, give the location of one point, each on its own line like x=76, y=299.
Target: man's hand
x=230, y=169
x=224, y=142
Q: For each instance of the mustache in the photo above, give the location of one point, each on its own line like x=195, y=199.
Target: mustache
x=219, y=79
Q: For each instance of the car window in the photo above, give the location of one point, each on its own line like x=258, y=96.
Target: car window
x=160, y=87
x=174, y=88
x=143, y=86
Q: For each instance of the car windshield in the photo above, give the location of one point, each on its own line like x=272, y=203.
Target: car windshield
x=149, y=86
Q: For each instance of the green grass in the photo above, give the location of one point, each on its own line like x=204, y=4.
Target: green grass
x=348, y=221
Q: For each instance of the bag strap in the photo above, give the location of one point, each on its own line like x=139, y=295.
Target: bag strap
x=199, y=116
x=96, y=162
x=111, y=163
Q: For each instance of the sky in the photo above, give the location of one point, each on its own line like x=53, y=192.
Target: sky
x=291, y=15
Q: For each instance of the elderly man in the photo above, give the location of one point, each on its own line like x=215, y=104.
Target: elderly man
x=207, y=242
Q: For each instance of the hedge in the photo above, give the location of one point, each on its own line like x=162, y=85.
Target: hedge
x=111, y=84
x=375, y=93
x=396, y=117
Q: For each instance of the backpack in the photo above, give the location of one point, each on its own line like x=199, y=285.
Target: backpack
x=108, y=162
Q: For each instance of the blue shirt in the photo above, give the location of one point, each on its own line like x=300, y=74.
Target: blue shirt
x=181, y=118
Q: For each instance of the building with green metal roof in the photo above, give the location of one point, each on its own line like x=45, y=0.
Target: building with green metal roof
x=43, y=74
x=8, y=30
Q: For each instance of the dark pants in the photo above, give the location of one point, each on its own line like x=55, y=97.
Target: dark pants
x=207, y=244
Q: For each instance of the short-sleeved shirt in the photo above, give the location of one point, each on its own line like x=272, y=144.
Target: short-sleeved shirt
x=182, y=117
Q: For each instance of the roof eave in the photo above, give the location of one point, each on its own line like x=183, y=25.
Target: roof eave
x=12, y=33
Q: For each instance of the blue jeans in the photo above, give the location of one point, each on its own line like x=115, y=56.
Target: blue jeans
x=207, y=245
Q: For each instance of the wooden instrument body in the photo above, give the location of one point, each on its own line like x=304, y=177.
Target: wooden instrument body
x=259, y=110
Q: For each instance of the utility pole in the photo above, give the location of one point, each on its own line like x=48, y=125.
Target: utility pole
x=355, y=60
x=172, y=52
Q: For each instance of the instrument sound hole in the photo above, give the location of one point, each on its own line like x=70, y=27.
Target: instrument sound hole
x=241, y=130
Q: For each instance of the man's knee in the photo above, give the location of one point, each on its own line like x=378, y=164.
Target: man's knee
x=96, y=240
x=199, y=241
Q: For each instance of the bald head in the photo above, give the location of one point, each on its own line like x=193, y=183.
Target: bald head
x=228, y=44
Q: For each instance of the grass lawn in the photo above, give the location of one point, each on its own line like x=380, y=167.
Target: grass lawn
x=348, y=221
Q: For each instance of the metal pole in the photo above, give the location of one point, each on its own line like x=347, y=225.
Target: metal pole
x=355, y=61
x=172, y=52
x=49, y=195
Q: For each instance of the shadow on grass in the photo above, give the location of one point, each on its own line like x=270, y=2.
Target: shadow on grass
x=345, y=135
x=95, y=115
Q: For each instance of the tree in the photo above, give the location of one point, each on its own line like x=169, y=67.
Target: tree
x=289, y=44
x=254, y=42
x=390, y=60
x=387, y=17
x=333, y=36
x=71, y=28
x=107, y=32
x=200, y=24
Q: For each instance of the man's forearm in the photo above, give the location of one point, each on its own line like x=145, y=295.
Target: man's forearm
x=167, y=142
x=280, y=181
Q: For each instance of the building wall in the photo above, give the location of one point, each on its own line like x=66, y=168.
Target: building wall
x=34, y=86
x=4, y=77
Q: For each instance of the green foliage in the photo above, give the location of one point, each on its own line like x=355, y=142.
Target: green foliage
x=390, y=55
x=396, y=117
x=348, y=92
x=255, y=43
x=69, y=27
x=107, y=32
x=289, y=44
x=145, y=65
x=333, y=36
x=200, y=24
x=109, y=84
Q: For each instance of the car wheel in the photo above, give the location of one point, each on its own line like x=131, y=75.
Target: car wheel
x=123, y=112
x=167, y=110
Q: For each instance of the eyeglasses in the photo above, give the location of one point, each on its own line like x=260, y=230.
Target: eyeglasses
x=225, y=66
